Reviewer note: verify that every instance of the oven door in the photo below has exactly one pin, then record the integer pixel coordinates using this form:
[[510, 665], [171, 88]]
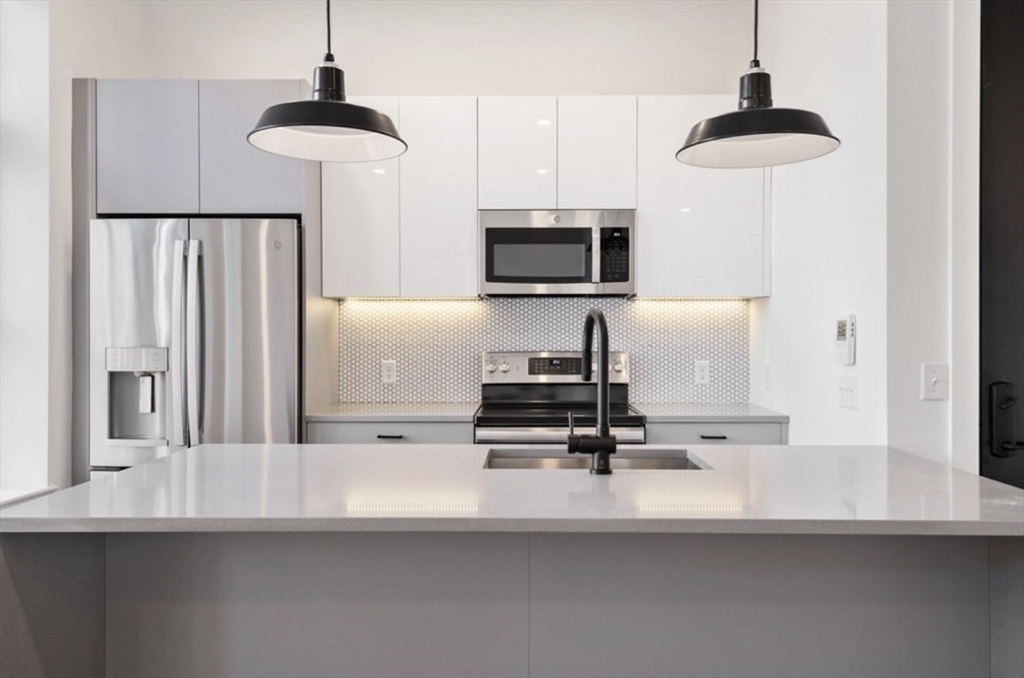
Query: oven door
[[538, 261], [527, 435]]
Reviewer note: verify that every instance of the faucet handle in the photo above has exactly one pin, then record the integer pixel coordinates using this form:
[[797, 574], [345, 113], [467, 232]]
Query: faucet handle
[[572, 439]]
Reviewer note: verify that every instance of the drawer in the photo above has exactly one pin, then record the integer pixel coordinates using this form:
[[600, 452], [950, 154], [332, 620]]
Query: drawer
[[712, 433], [389, 432]]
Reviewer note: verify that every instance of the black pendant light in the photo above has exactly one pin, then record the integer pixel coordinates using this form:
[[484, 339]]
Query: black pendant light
[[327, 128], [757, 135]]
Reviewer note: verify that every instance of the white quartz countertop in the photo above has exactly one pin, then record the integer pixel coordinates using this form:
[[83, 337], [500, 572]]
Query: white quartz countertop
[[752, 490], [463, 412]]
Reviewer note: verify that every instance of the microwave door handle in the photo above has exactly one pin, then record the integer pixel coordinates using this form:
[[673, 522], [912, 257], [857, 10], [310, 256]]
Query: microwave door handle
[[595, 255], [192, 342], [177, 366]]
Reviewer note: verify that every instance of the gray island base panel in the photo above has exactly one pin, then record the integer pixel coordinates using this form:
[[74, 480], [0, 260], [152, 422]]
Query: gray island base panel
[[503, 604], [387, 560]]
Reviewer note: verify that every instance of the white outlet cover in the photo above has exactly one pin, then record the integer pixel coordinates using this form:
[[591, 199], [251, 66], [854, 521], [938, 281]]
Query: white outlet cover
[[701, 372], [848, 398], [388, 371]]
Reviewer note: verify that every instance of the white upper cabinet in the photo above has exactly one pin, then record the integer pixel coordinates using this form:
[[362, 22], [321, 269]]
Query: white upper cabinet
[[701, 232], [147, 146], [518, 154], [236, 177], [360, 202], [438, 197], [597, 152]]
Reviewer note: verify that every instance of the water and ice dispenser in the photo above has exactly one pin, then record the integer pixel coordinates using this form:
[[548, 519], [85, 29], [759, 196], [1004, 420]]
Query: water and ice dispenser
[[135, 396]]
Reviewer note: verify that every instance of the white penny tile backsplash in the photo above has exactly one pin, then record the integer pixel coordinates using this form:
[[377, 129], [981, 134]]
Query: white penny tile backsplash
[[437, 344]]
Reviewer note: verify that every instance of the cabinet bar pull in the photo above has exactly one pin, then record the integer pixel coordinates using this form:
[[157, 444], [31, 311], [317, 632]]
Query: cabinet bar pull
[[384, 436], [704, 437]]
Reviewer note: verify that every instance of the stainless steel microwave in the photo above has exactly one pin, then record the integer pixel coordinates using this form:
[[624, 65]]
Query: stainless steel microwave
[[557, 252]]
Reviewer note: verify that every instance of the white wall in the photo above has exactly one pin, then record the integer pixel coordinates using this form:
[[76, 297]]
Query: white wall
[[919, 123], [934, 120], [30, 425], [828, 222], [965, 174]]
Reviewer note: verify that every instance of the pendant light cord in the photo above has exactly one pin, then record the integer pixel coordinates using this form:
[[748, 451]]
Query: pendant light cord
[[329, 56], [755, 64]]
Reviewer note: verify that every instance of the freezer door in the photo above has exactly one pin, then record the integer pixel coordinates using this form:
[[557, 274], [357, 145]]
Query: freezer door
[[134, 280], [246, 352]]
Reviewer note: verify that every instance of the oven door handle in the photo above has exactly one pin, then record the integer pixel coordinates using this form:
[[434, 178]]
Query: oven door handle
[[553, 434]]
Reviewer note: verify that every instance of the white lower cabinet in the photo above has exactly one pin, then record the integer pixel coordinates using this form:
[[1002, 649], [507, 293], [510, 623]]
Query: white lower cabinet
[[712, 433], [390, 432]]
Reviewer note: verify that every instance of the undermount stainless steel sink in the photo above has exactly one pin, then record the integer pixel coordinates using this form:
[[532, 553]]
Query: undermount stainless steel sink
[[558, 458]]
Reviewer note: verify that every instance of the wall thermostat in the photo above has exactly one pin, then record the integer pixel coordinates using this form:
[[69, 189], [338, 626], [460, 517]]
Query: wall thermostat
[[846, 340]]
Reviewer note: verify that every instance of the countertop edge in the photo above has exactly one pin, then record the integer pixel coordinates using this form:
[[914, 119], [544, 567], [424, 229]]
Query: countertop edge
[[779, 526]]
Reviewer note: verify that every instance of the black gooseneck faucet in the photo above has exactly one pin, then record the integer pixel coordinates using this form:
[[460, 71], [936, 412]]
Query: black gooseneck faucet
[[601, 445]]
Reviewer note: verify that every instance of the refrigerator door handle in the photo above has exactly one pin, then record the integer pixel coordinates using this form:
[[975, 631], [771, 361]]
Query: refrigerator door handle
[[192, 342], [177, 366]]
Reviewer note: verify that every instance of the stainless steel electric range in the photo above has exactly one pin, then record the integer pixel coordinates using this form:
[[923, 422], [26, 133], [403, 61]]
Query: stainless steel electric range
[[531, 397]]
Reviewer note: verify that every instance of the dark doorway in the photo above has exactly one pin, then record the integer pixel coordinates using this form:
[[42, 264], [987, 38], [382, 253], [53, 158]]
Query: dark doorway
[[1002, 241]]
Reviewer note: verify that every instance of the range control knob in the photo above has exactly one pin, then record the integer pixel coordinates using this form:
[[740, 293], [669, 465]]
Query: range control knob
[[618, 367], [503, 367], [492, 368]]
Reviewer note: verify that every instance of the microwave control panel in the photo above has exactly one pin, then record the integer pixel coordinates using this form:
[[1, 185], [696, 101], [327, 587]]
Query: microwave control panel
[[615, 255]]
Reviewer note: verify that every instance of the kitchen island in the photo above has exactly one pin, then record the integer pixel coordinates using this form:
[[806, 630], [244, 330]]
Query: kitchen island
[[329, 560]]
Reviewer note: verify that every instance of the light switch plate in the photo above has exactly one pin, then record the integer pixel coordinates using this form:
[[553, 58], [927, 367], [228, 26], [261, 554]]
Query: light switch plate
[[848, 392], [388, 371], [701, 372], [934, 381]]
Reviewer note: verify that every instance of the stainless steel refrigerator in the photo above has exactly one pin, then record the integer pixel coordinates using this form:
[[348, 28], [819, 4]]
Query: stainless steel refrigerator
[[194, 336]]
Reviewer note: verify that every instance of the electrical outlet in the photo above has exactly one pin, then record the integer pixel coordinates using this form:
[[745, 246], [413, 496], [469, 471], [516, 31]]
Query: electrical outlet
[[934, 381], [848, 392], [388, 371], [701, 372]]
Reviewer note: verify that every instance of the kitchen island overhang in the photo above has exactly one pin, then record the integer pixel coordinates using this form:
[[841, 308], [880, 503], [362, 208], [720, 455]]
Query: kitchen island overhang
[[415, 560]]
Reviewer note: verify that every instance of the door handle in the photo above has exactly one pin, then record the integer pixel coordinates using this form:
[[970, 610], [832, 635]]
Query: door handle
[[177, 366], [192, 342], [996, 406]]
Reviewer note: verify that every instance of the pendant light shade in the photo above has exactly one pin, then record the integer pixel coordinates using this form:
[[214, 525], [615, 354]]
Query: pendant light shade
[[757, 135], [327, 128]]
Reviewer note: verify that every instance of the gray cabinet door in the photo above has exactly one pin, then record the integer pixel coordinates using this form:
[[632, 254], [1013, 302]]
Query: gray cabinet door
[[717, 433], [237, 178], [390, 432], [147, 146]]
